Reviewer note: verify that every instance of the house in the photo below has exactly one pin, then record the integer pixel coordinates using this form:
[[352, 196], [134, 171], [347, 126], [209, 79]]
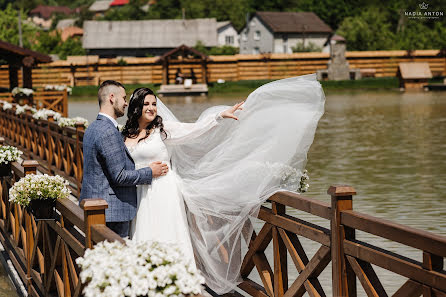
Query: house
[[226, 34], [42, 15], [148, 37], [279, 32], [99, 7]]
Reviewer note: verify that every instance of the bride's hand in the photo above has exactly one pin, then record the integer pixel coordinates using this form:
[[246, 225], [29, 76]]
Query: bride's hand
[[229, 113]]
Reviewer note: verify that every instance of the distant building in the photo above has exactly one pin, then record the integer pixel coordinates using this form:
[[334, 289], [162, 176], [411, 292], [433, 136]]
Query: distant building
[[62, 24], [139, 38], [278, 32], [226, 34], [67, 29], [42, 15], [99, 7]]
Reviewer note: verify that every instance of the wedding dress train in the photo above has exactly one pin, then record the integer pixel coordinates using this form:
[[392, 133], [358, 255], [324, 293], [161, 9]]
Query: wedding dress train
[[223, 170]]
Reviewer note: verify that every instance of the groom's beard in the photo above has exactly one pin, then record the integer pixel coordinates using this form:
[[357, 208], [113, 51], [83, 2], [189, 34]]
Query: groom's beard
[[118, 112]]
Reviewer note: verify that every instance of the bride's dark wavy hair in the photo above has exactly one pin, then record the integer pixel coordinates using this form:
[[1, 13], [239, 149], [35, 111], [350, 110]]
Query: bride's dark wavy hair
[[134, 112]]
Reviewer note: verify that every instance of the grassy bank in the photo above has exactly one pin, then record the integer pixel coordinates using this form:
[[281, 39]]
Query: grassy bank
[[247, 86]]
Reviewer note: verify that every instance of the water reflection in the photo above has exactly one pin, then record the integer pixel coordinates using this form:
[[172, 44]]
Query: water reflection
[[389, 146]]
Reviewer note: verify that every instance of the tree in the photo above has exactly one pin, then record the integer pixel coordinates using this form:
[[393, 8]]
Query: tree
[[367, 31], [10, 28]]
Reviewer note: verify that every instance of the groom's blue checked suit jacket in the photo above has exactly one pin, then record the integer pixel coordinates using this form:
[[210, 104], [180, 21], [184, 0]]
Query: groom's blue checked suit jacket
[[109, 171]]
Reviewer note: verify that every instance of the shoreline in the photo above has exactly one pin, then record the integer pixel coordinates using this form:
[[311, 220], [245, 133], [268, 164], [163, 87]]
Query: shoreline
[[244, 87]]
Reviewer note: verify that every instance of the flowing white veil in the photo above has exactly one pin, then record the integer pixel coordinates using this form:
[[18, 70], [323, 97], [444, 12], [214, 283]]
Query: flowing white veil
[[230, 170]]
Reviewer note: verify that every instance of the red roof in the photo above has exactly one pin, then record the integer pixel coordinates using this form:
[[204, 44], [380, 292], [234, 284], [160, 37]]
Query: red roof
[[119, 2], [46, 12]]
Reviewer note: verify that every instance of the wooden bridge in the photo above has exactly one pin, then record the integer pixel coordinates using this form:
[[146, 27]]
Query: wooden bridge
[[43, 252]]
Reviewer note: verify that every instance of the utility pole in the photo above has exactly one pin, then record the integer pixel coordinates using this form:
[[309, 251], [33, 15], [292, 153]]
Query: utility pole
[[20, 28]]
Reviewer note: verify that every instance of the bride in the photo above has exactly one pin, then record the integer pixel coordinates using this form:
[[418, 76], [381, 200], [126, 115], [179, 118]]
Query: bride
[[221, 171]]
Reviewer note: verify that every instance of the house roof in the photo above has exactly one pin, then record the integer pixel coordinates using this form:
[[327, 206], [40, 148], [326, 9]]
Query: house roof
[[119, 2], [62, 24], [183, 50], [293, 22], [70, 32], [149, 34], [223, 24], [10, 51], [46, 12], [415, 70], [100, 5]]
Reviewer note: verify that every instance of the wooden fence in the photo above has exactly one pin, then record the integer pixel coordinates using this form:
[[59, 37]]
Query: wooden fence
[[83, 71], [351, 259], [58, 150], [54, 100], [44, 252]]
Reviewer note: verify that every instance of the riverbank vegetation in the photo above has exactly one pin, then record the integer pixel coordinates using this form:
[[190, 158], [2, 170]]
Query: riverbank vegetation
[[246, 86]]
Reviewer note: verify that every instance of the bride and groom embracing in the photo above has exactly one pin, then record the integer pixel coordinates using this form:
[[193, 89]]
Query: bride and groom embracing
[[198, 185]]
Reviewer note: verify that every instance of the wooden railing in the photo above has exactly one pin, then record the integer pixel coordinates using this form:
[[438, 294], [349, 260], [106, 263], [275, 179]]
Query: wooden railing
[[351, 259], [58, 150], [44, 252], [54, 100]]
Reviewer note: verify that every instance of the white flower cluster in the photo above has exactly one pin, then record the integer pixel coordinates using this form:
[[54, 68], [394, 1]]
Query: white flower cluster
[[34, 186], [6, 105], [43, 114], [120, 127], [22, 108], [137, 269], [9, 154], [291, 178], [71, 122], [59, 88], [24, 91], [303, 181]]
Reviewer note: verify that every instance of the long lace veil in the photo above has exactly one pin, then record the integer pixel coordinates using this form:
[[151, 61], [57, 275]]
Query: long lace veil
[[229, 171]]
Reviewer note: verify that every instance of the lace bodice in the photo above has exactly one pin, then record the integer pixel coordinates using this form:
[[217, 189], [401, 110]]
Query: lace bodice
[[149, 150], [153, 147]]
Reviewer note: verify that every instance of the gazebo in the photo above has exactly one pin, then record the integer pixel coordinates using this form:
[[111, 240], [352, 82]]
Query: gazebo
[[18, 57], [181, 59]]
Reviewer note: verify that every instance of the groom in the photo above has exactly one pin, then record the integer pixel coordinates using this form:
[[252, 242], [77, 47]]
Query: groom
[[109, 170]]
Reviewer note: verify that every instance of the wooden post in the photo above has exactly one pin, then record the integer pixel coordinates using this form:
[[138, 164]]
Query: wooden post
[[94, 213], [29, 167], [431, 262], [78, 157], [65, 103], [2, 140], [344, 279], [13, 76], [280, 256], [27, 77]]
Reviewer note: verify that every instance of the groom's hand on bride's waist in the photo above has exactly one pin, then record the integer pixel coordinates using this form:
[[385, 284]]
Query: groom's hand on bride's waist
[[158, 168]]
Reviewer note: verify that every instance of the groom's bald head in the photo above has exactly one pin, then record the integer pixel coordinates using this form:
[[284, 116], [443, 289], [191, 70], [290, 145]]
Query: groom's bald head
[[108, 87]]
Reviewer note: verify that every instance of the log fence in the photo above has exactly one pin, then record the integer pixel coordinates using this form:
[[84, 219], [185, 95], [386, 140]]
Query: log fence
[[352, 261], [91, 70]]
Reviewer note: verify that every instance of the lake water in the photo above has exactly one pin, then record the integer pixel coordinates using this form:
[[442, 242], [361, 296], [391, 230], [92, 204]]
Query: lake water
[[389, 145]]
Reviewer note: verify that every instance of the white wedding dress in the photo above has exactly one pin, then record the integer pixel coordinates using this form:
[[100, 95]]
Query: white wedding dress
[[161, 214], [222, 171]]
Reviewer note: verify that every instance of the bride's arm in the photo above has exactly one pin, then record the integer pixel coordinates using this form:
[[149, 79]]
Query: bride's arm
[[179, 132]]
